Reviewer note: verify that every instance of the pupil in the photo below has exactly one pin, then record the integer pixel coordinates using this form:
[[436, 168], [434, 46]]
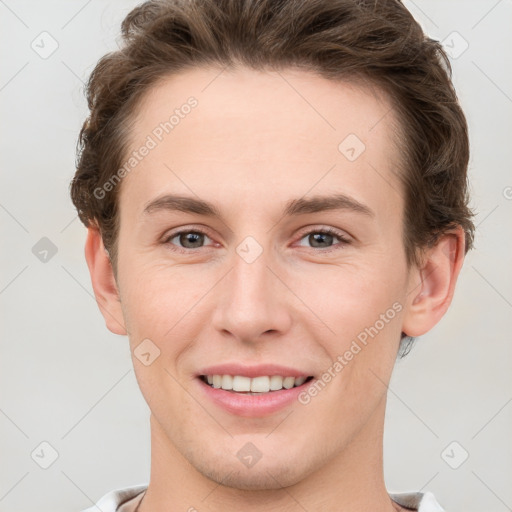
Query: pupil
[[194, 239], [320, 237]]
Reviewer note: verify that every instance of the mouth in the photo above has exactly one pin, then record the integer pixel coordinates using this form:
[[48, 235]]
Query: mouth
[[261, 385], [247, 390]]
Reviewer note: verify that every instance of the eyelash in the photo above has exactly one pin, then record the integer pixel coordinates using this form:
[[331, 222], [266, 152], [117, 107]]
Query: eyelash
[[327, 231]]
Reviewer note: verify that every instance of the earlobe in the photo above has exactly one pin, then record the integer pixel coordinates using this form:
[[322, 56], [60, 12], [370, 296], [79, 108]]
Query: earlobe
[[432, 286], [103, 282]]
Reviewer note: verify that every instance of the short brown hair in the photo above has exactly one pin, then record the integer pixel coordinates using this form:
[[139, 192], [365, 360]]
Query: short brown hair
[[376, 41]]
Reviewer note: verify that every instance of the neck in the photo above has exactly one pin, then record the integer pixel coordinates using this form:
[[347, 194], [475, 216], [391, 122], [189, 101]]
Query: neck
[[351, 480]]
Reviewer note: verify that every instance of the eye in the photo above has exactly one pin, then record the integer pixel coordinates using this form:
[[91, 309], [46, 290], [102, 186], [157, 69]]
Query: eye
[[323, 238], [186, 239]]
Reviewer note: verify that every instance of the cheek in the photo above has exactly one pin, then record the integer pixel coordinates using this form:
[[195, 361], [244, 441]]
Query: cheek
[[360, 308], [349, 296], [164, 303], [159, 307], [152, 293]]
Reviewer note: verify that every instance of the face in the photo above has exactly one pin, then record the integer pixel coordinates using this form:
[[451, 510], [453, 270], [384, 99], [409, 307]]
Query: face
[[295, 267]]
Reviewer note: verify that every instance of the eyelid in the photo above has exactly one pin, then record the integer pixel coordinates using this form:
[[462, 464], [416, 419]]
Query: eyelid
[[185, 229], [319, 228]]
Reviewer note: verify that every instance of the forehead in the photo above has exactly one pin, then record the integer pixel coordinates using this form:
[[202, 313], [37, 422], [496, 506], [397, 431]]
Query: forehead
[[271, 132]]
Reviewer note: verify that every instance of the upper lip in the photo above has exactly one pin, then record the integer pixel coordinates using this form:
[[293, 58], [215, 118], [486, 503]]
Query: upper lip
[[253, 370]]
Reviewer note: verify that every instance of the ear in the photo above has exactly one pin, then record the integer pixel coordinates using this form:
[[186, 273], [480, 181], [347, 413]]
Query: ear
[[103, 282], [431, 286]]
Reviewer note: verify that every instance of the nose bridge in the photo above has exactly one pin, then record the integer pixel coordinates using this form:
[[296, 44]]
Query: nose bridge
[[250, 277], [251, 302]]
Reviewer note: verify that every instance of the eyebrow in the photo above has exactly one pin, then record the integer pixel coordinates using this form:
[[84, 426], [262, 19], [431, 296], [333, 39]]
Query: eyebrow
[[293, 207]]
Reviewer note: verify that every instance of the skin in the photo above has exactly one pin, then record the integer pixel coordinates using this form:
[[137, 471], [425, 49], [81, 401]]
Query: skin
[[251, 145]]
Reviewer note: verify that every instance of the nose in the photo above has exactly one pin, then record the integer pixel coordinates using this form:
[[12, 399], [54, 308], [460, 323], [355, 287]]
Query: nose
[[252, 301]]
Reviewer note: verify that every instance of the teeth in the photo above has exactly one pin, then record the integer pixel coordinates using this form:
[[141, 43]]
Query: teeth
[[300, 380], [288, 382], [241, 383], [276, 383], [262, 384], [227, 382]]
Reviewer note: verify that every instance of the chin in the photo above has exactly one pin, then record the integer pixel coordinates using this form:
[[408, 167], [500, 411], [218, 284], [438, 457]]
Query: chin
[[264, 475], [252, 479]]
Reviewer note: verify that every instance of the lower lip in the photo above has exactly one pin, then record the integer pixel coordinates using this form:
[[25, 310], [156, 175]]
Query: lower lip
[[252, 405]]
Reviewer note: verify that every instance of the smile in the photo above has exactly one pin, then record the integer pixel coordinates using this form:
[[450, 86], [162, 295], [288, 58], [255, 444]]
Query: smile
[[254, 385], [252, 397]]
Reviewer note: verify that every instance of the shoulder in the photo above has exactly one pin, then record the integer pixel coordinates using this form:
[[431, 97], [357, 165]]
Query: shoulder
[[114, 499], [418, 501]]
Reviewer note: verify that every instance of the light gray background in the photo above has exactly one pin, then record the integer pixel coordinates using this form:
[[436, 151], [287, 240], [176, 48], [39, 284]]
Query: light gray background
[[67, 381]]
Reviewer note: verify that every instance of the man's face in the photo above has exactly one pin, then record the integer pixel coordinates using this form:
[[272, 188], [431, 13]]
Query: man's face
[[260, 286]]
